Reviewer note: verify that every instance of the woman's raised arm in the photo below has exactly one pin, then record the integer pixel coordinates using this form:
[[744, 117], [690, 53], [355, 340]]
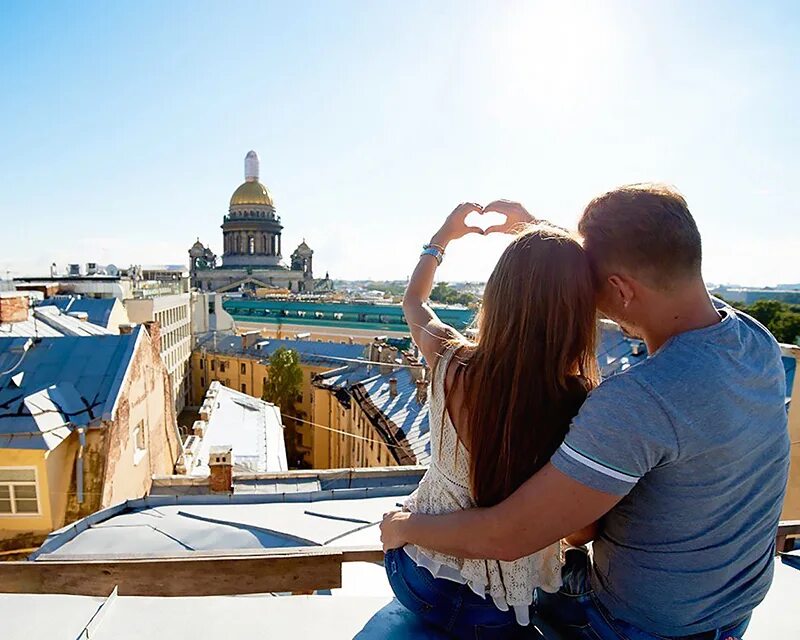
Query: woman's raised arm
[[429, 332]]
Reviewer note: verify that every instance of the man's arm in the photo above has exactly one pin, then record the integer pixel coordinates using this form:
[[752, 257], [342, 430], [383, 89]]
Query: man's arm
[[546, 508]]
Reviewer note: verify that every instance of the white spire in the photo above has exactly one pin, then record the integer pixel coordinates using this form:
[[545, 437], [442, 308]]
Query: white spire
[[251, 166]]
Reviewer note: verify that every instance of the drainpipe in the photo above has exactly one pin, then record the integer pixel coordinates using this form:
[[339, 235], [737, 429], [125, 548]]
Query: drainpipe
[[79, 463]]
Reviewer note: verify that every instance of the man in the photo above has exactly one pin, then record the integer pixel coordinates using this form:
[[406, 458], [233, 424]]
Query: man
[[683, 458]]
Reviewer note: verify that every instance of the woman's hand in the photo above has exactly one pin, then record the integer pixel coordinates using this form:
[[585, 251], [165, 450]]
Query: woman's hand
[[455, 226], [516, 216], [391, 529]]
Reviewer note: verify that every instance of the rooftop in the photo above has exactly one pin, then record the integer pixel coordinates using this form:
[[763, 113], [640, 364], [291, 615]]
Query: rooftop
[[51, 321], [401, 418], [97, 310], [310, 352], [251, 426], [320, 536], [48, 383]]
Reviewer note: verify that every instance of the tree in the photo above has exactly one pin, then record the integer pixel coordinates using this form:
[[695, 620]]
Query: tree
[[447, 294], [782, 319], [284, 384]]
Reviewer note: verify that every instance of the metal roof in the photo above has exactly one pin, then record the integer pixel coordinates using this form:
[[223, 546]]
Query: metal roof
[[331, 509], [311, 352], [251, 426], [98, 309], [77, 377], [50, 321]]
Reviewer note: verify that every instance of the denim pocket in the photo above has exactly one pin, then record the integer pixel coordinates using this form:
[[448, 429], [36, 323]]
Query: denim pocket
[[402, 590]]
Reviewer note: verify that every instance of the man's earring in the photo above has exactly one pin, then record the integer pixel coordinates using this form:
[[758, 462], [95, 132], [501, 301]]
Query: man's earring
[[625, 303]]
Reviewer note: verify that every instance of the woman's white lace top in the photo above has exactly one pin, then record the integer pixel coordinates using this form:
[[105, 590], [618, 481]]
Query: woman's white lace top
[[445, 488]]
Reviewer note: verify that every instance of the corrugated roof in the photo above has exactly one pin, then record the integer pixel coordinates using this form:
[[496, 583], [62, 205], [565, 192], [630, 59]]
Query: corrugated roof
[[81, 376]]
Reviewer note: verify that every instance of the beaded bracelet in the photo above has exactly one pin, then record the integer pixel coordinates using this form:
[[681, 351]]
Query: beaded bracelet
[[432, 250]]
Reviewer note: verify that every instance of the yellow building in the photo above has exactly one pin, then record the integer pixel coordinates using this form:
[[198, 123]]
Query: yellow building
[[377, 411], [241, 362], [85, 423]]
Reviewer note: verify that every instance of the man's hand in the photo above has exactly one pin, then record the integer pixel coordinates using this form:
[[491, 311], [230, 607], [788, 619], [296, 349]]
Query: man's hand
[[516, 216], [391, 529]]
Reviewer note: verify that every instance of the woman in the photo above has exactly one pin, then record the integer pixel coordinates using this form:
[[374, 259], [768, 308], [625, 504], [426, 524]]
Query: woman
[[500, 406]]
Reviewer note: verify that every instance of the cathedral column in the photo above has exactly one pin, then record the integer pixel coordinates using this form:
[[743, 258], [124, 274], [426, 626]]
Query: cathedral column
[[279, 244]]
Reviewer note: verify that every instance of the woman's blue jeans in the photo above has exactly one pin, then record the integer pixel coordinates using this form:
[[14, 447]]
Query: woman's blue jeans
[[445, 604]]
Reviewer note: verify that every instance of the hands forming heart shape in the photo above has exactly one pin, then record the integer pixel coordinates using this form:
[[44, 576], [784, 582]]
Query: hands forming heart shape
[[499, 216]]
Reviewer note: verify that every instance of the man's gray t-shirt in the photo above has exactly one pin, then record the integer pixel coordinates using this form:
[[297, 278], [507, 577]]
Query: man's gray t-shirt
[[695, 438]]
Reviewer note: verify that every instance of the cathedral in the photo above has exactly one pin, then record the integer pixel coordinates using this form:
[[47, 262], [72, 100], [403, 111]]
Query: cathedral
[[251, 240]]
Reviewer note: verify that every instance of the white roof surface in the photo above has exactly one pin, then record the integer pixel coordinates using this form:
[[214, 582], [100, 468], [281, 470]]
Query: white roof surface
[[349, 616], [251, 426]]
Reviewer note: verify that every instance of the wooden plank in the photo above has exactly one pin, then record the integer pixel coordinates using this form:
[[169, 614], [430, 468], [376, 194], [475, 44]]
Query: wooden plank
[[788, 530], [195, 576], [364, 553]]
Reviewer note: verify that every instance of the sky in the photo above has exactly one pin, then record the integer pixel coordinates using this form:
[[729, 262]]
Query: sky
[[123, 126]]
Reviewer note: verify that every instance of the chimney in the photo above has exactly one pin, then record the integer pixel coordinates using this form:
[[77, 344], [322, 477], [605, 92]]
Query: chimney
[[418, 372], [79, 315], [154, 329], [422, 391], [220, 462], [13, 308], [249, 338], [393, 387], [199, 428], [374, 354], [126, 329], [387, 357]]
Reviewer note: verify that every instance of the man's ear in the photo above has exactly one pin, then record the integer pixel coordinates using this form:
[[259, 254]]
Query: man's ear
[[622, 289]]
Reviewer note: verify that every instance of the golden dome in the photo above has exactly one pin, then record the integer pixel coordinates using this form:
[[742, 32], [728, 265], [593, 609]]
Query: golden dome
[[251, 192]]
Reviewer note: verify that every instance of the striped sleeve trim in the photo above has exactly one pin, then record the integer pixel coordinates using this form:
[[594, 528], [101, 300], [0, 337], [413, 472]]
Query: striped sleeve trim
[[597, 466]]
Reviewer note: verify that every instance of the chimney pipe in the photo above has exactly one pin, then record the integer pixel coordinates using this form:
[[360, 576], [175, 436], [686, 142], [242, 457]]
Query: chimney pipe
[[393, 387], [220, 463], [13, 308], [422, 391]]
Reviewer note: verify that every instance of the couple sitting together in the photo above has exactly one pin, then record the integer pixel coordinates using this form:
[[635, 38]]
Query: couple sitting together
[[675, 469]]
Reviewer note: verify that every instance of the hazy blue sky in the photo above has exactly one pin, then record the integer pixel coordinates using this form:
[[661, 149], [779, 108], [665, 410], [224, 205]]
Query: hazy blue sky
[[123, 126]]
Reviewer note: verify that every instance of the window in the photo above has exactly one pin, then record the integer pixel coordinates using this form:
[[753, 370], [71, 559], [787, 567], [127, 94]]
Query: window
[[202, 381], [202, 363], [213, 365], [139, 441], [244, 368], [244, 388], [18, 491]]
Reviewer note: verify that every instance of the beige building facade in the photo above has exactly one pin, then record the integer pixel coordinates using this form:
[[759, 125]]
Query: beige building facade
[[173, 313]]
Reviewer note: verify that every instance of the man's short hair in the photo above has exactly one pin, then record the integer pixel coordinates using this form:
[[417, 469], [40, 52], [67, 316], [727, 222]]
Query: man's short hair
[[645, 230]]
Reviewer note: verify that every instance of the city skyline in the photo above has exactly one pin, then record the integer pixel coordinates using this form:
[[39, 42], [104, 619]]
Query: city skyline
[[125, 126]]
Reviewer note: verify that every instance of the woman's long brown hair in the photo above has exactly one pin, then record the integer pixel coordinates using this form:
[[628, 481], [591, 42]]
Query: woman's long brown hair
[[532, 362]]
